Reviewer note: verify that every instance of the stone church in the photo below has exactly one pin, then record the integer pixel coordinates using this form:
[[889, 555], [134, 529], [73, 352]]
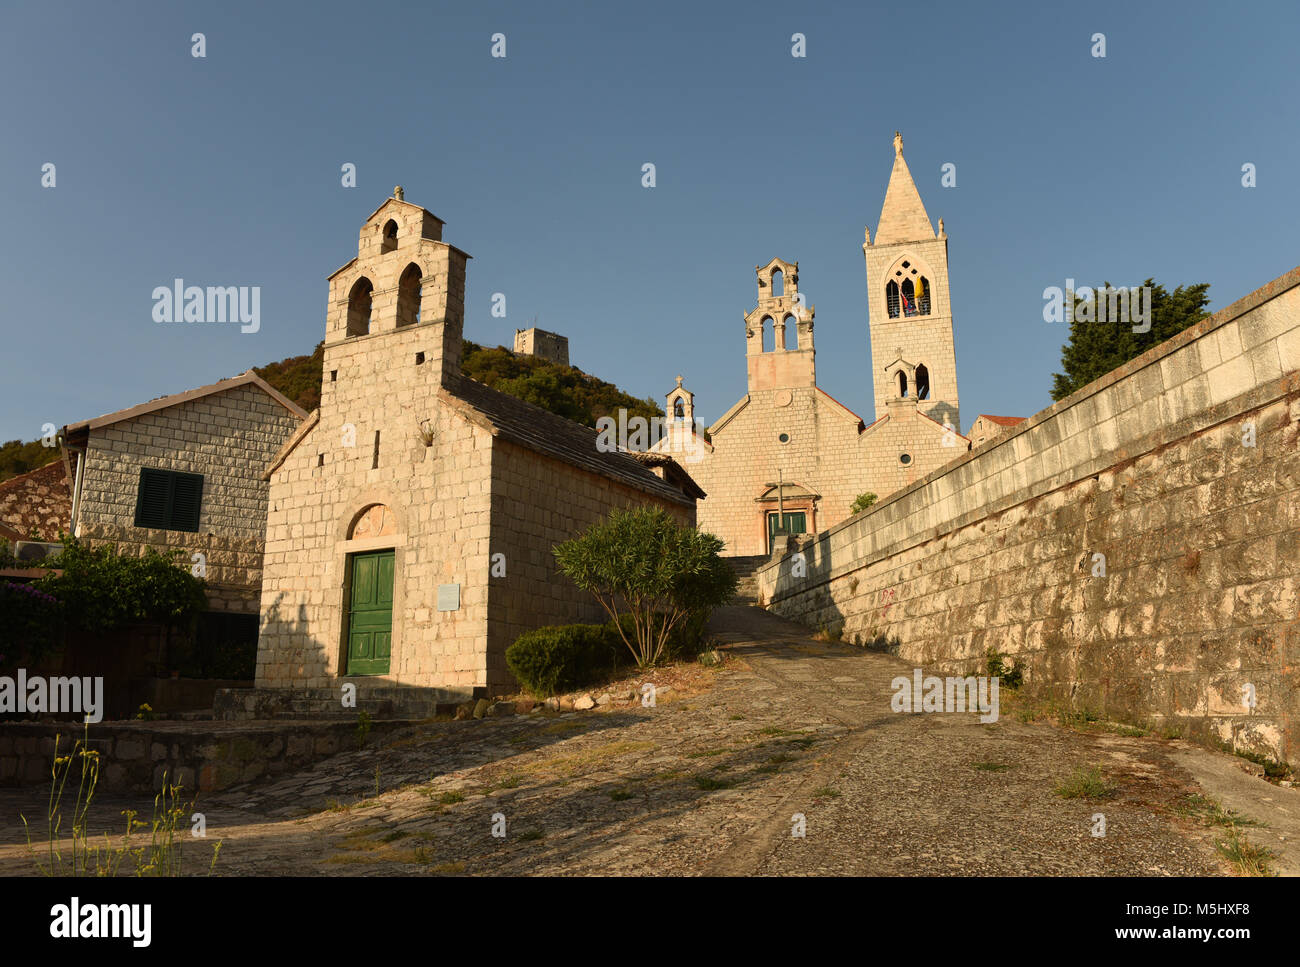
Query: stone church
[[412, 516], [788, 453]]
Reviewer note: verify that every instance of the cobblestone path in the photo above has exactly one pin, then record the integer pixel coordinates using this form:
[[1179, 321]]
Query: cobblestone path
[[708, 782]]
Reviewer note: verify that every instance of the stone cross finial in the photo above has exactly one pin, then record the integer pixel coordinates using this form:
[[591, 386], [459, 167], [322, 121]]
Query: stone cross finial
[[679, 382], [898, 143], [398, 193]]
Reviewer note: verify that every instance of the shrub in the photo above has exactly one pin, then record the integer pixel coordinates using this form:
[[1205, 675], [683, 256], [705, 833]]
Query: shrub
[[1010, 676], [685, 640], [30, 628], [102, 590], [862, 502], [643, 564], [559, 658]]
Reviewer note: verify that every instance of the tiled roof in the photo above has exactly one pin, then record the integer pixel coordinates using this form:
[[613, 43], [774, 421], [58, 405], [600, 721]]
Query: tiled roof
[[36, 505], [544, 432], [1004, 420]]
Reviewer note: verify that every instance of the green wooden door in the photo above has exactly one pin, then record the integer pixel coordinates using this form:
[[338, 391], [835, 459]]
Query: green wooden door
[[370, 614]]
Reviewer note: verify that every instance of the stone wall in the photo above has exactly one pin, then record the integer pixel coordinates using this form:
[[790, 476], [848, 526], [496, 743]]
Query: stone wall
[[439, 501], [204, 758], [1148, 471], [526, 523], [827, 452]]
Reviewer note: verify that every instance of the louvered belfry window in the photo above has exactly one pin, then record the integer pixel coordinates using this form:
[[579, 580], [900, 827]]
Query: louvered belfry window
[[168, 500]]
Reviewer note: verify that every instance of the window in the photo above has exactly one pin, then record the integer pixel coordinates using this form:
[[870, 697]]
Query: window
[[907, 293], [784, 438], [902, 384], [922, 383], [168, 500], [768, 332], [359, 308], [905, 458], [778, 283], [408, 296], [679, 409], [791, 333], [389, 243]]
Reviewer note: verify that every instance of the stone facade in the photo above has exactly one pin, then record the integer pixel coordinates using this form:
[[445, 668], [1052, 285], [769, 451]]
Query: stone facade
[[469, 488], [227, 432], [986, 427], [790, 447], [1133, 547], [546, 345]]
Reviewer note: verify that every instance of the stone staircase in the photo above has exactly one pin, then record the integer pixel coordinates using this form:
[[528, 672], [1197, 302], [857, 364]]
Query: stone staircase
[[747, 590]]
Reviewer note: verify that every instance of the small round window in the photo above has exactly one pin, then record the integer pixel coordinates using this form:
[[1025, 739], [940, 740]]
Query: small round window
[[905, 458], [784, 438]]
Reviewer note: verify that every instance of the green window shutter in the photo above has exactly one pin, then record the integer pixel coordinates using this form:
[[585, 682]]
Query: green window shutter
[[187, 495], [169, 500], [152, 499]]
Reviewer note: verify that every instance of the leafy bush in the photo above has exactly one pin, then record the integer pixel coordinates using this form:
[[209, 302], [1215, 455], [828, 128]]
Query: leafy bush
[[31, 625], [560, 658], [685, 640], [1011, 676], [101, 590], [643, 564], [862, 502]]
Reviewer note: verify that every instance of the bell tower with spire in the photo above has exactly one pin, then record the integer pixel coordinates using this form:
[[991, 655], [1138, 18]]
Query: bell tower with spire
[[913, 359]]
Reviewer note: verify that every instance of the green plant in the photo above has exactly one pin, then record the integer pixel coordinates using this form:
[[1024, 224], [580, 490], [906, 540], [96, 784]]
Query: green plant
[[1012, 676], [145, 712], [560, 658], [102, 590], [862, 502], [31, 627], [1084, 783], [363, 727], [160, 856], [643, 563]]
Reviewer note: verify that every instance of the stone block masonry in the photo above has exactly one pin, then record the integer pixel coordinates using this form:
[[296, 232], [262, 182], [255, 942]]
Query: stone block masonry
[[135, 756], [1135, 547]]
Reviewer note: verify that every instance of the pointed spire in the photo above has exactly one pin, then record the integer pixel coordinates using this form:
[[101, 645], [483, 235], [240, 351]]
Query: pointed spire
[[903, 217]]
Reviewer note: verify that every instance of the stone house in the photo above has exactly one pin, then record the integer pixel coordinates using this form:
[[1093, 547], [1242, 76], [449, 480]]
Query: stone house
[[789, 457], [412, 516], [185, 472], [987, 427]]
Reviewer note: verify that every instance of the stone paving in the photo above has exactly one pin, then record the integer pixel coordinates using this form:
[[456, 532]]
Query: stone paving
[[707, 782]]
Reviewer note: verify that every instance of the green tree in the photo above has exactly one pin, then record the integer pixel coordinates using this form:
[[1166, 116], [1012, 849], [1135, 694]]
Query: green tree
[[642, 563], [17, 457], [1095, 348]]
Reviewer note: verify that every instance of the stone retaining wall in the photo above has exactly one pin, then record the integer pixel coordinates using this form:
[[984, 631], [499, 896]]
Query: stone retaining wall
[[1135, 547], [135, 755]]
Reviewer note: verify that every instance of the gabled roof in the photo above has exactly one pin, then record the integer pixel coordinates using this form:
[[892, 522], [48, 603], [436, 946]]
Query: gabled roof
[[37, 504], [544, 432], [161, 403], [903, 217], [841, 406], [1002, 420]]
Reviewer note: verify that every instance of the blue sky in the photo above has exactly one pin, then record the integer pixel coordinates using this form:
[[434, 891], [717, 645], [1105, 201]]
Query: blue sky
[[225, 170]]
